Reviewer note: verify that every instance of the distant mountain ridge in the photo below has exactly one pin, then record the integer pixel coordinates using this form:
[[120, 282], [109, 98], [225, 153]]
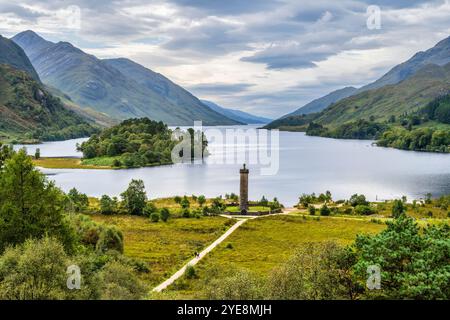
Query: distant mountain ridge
[[318, 105], [117, 87], [438, 55], [13, 55], [406, 97], [237, 115]]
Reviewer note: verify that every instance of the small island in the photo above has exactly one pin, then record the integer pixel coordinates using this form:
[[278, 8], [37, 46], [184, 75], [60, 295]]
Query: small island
[[133, 143]]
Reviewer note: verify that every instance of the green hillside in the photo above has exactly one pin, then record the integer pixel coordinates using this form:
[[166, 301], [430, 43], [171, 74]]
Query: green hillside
[[13, 55], [30, 113], [393, 100]]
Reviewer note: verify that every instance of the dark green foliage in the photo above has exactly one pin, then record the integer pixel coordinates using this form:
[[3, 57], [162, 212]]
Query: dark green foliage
[[264, 202], [420, 139], [149, 209], [312, 210], [108, 205], [439, 109], [364, 210], [360, 129], [184, 203], [201, 200], [358, 199], [165, 214], [30, 112], [324, 210], [30, 206], [414, 264], [135, 143], [154, 216], [316, 129], [135, 198], [186, 213], [398, 208], [190, 272], [37, 270], [78, 201], [110, 239]]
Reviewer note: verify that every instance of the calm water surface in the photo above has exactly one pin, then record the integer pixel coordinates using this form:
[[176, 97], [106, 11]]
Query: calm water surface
[[306, 165]]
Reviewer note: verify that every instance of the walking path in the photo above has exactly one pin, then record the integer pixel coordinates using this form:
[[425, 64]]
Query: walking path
[[241, 220], [194, 261]]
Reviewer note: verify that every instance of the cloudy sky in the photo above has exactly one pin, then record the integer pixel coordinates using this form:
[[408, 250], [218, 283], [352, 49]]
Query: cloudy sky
[[268, 57]]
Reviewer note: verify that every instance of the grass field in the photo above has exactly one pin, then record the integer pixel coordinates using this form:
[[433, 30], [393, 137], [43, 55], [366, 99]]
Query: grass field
[[65, 163], [165, 247], [259, 245], [250, 209]]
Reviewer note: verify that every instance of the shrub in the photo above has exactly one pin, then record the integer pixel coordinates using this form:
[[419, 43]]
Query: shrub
[[190, 272], [312, 210], [154, 217], [358, 199], [110, 239], [185, 203], [149, 209], [108, 205], [398, 207], [165, 214], [324, 211], [186, 213], [117, 282], [363, 210]]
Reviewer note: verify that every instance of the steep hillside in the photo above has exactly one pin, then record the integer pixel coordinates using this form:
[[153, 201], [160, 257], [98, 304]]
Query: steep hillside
[[29, 112], [438, 55], [165, 88], [393, 100], [13, 55], [237, 115], [94, 83]]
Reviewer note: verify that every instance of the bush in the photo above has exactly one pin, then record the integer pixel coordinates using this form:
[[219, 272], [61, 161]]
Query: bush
[[312, 210], [154, 217], [149, 209], [117, 282], [363, 210], [241, 285], [324, 211], [165, 214], [110, 239], [186, 213], [190, 272], [108, 205], [358, 199], [398, 207]]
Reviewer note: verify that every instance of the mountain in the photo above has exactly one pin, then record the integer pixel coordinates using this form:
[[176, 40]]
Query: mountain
[[29, 112], [99, 84], [379, 105], [13, 55], [438, 55], [237, 115], [322, 103], [163, 87], [408, 96]]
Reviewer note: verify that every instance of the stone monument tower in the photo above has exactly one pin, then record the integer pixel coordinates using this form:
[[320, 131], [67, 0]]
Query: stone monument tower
[[243, 195]]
